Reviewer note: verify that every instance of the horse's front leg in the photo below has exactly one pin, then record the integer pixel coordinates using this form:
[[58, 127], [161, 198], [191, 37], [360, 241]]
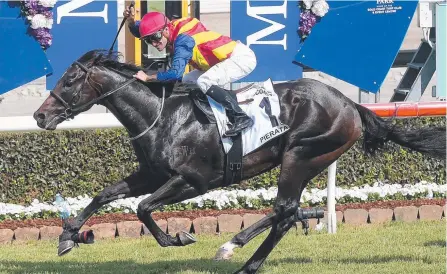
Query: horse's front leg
[[134, 185], [175, 190]]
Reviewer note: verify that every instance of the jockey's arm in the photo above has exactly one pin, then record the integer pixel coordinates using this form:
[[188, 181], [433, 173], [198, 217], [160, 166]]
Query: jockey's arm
[[134, 28], [183, 47]]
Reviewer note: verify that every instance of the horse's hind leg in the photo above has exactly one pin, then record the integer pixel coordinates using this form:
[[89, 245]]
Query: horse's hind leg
[[286, 205], [225, 252], [296, 171]]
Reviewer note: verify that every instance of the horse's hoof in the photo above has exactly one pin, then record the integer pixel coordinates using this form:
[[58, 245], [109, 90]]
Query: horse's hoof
[[65, 247], [185, 238], [223, 254]]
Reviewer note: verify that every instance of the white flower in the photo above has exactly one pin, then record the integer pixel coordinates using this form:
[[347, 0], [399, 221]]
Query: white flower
[[319, 226], [308, 4], [429, 194], [320, 8], [229, 199], [40, 21], [47, 3]]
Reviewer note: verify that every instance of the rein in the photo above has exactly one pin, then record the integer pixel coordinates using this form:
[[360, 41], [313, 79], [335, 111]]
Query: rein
[[70, 108]]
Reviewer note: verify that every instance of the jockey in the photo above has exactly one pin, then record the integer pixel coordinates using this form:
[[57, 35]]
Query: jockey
[[217, 59]]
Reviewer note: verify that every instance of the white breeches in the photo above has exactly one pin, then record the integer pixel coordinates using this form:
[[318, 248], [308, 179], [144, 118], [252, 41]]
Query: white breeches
[[241, 62]]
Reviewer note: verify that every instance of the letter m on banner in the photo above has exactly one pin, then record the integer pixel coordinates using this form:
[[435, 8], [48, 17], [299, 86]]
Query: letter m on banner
[[269, 28]]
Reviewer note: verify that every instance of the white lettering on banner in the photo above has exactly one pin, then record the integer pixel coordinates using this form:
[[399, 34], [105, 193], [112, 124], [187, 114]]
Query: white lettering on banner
[[384, 2], [65, 10], [274, 27], [384, 7]]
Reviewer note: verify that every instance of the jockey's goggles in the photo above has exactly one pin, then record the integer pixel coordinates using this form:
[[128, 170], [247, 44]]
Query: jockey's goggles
[[154, 38]]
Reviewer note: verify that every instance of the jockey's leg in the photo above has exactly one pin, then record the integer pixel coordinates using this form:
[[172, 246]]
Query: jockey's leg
[[241, 63], [192, 76], [241, 120]]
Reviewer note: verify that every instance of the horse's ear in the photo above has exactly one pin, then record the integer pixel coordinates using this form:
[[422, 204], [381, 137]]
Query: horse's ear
[[97, 58]]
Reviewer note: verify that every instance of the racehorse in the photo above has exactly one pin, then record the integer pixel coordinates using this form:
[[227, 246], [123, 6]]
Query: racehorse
[[162, 121]]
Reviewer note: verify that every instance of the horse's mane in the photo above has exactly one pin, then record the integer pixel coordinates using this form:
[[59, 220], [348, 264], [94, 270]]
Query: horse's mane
[[111, 60]]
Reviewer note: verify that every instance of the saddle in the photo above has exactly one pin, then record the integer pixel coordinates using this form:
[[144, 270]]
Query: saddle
[[201, 102], [233, 159]]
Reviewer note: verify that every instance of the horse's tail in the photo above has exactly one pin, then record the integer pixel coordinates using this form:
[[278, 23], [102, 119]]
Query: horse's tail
[[430, 141]]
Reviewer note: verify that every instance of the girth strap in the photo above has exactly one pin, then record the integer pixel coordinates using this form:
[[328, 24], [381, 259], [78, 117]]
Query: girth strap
[[233, 162]]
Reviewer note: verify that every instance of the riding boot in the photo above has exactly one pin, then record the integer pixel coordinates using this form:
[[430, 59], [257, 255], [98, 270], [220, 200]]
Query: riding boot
[[241, 120]]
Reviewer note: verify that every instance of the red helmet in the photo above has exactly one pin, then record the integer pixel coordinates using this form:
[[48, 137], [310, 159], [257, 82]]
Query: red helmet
[[152, 22]]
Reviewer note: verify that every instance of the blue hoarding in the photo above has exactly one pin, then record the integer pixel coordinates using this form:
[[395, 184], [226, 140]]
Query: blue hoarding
[[357, 41], [21, 58], [80, 26], [269, 28]]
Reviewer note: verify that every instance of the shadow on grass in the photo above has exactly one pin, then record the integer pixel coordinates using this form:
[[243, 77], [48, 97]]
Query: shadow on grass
[[174, 266], [365, 260], [378, 260], [70, 267], [297, 260], [436, 243]]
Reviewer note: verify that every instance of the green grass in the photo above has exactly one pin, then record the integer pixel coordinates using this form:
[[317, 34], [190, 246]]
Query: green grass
[[391, 248]]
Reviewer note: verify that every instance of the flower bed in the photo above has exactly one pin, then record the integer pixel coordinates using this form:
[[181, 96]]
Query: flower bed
[[115, 218], [232, 199]]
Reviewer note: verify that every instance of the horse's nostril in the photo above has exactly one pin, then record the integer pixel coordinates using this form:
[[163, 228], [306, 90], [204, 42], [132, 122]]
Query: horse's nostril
[[41, 116]]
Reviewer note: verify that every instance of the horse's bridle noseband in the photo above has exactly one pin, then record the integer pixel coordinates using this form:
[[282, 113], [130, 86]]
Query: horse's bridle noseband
[[70, 109]]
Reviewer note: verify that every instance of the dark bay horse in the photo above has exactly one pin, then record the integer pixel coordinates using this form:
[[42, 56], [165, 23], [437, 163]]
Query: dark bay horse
[[162, 122]]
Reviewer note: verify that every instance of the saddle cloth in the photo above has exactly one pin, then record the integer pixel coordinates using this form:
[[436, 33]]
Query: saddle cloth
[[261, 104]]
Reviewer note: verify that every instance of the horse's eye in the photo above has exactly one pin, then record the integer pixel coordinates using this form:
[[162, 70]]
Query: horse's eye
[[68, 83]]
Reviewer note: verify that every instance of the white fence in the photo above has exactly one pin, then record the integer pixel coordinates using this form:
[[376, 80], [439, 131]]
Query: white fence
[[82, 121]]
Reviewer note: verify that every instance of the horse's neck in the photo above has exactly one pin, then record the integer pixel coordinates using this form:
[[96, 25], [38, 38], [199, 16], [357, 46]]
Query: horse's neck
[[135, 107]]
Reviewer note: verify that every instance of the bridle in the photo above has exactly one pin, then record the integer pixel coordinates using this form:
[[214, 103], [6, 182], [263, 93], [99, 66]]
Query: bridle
[[70, 107]]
